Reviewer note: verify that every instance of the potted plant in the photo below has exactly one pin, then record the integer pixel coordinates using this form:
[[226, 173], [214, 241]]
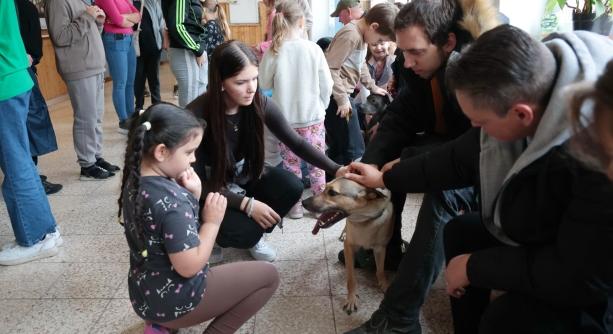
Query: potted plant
[[583, 16]]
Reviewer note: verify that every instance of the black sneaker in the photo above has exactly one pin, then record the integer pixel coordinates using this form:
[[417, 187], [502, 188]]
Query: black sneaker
[[380, 324], [100, 162], [50, 188], [124, 127], [365, 258], [94, 173]]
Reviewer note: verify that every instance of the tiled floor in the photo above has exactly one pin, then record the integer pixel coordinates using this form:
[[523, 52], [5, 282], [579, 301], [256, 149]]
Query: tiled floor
[[83, 289]]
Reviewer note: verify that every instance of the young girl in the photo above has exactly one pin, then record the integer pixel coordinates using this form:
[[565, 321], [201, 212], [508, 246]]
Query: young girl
[[346, 58], [216, 27], [231, 158], [170, 283], [303, 102]]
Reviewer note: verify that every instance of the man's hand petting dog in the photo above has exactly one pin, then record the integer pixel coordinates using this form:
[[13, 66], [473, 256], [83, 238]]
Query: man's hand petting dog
[[378, 90], [366, 175], [264, 215]]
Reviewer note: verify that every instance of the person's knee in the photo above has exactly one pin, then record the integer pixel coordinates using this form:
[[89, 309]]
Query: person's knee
[[271, 274]]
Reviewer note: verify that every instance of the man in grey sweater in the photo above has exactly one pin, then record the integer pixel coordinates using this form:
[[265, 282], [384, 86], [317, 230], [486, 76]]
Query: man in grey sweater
[[74, 28]]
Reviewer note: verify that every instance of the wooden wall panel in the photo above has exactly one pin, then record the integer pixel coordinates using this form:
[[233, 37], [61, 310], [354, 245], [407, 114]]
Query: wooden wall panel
[[51, 84], [249, 34]]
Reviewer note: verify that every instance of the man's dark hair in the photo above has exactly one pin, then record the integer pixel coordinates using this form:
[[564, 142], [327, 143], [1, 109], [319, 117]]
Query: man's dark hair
[[502, 67], [437, 17]]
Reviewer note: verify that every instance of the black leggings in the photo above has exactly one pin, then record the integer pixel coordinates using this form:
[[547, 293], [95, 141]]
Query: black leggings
[[279, 189], [512, 312]]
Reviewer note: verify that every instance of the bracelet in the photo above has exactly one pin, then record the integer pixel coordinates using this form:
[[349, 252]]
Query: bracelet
[[250, 206]]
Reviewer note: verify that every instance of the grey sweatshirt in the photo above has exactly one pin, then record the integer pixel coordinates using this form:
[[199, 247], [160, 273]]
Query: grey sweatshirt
[[76, 38], [579, 56]]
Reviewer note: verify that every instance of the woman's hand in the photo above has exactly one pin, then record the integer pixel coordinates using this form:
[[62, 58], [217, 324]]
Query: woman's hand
[[367, 175], [378, 90], [190, 181], [456, 276], [214, 209], [264, 215]]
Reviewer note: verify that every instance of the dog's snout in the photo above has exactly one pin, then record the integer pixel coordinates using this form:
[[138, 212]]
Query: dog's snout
[[308, 203]]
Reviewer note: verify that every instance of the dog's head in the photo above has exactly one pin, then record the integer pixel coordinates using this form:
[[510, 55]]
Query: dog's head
[[345, 198], [375, 103]]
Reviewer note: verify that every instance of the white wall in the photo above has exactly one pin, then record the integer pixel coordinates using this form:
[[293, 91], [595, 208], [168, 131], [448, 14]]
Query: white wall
[[525, 14], [323, 24]]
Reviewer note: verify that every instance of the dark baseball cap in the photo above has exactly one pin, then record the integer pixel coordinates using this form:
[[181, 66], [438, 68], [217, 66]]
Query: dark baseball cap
[[344, 4]]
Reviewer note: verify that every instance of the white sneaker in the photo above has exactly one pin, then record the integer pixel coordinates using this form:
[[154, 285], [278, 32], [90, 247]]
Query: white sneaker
[[55, 237], [296, 212], [19, 254], [263, 252], [216, 255]]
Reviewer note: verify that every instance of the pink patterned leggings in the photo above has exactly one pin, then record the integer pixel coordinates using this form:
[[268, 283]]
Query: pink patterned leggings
[[316, 136]]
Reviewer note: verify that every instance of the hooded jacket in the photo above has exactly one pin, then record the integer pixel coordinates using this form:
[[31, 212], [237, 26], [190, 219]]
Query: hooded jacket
[[553, 214], [412, 111], [183, 19]]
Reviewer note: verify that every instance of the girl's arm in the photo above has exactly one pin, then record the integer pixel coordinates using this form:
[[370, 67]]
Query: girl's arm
[[113, 15], [325, 80], [189, 262]]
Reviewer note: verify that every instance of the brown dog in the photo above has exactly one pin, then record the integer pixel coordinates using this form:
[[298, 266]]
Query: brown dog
[[369, 225]]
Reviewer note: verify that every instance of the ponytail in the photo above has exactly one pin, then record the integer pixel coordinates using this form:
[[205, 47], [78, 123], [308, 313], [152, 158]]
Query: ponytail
[[288, 14]]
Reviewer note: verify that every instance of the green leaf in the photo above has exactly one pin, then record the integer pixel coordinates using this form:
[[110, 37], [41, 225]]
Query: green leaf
[[600, 8]]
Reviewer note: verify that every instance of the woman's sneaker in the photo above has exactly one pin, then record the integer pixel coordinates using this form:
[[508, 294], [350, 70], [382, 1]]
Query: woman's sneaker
[[296, 212], [16, 254], [94, 173], [263, 252]]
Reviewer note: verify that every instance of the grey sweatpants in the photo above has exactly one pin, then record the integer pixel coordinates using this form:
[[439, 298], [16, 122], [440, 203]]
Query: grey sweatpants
[[87, 99], [191, 78]]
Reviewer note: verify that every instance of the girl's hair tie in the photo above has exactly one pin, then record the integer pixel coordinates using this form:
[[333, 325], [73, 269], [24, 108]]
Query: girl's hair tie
[[147, 125]]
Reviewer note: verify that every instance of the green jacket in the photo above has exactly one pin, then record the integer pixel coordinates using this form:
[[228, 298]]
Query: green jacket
[[14, 77]]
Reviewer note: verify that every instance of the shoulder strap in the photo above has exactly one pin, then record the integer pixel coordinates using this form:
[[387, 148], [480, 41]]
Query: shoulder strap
[[142, 6]]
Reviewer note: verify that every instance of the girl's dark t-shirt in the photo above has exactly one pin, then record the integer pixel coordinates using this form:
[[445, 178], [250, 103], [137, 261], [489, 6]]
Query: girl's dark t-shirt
[[170, 224]]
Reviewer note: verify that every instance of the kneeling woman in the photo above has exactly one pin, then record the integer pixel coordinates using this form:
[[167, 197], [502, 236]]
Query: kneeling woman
[[231, 158]]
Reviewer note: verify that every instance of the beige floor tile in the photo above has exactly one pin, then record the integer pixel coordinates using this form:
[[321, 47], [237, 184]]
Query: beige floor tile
[[247, 328], [367, 304], [118, 317], [12, 312], [303, 278], [366, 280], [297, 246], [110, 248], [30, 280], [284, 315], [89, 280], [61, 316], [436, 313]]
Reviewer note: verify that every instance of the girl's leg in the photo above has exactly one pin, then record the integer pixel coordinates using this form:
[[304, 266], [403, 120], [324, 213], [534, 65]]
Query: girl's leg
[[231, 296], [316, 136]]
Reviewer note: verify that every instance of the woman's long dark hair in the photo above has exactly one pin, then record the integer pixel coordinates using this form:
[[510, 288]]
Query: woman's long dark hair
[[227, 61], [169, 125]]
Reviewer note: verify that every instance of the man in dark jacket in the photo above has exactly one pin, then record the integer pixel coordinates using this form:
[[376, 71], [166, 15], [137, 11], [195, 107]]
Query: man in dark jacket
[[40, 130], [544, 236], [424, 115]]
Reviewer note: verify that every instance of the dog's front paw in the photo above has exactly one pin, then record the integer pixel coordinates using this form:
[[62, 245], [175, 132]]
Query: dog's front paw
[[351, 305]]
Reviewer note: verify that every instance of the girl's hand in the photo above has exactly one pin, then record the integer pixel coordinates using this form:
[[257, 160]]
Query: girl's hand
[[264, 215], [190, 181], [456, 276], [214, 209]]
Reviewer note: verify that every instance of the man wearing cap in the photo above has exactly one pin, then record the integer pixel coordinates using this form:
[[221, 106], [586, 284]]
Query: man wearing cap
[[348, 10]]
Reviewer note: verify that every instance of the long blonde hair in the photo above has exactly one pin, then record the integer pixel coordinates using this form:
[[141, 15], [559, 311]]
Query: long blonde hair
[[221, 18], [288, 15]]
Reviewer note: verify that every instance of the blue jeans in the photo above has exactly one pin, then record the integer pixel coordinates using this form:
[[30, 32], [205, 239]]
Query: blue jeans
[[122, 64], [23, 192], [40, 130], [424, 258]]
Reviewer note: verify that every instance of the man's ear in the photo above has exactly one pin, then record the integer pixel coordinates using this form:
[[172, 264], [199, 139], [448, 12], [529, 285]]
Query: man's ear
[[523, 112], [160, 152], [451, 43]]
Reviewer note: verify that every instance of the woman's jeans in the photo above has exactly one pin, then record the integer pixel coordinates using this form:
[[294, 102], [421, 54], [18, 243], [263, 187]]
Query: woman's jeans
[[23, 193], [121, 59]]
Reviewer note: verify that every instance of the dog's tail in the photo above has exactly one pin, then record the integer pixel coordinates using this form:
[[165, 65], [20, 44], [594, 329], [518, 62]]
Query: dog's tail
[[478, 16]]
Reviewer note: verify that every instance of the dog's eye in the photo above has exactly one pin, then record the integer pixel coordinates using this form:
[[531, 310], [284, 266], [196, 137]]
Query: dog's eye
[[331, 192]]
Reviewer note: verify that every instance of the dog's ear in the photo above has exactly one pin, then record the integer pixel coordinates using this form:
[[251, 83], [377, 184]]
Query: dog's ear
[[374, 194]]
